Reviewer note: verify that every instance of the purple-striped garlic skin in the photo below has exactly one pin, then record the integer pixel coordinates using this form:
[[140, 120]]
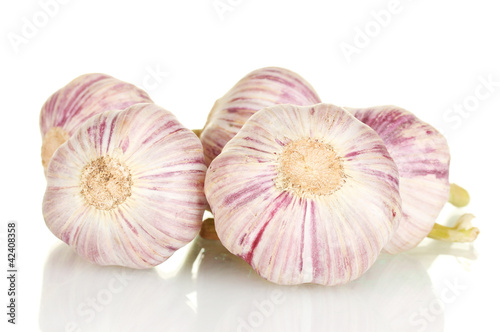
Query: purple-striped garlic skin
[[87, 95], [127, 188], [261, 88], [423, 158], [305, 194]]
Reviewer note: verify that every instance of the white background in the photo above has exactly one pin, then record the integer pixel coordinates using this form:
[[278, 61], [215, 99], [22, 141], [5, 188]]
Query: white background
[[428, 57]]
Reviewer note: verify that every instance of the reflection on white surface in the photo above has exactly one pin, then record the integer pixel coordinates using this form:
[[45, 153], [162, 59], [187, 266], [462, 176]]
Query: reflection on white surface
[[216, 291], [232, 297], [80, 296]]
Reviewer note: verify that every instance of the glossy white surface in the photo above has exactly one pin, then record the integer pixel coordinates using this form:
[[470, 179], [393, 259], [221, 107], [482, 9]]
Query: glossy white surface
[[212, 290], [433, 58]]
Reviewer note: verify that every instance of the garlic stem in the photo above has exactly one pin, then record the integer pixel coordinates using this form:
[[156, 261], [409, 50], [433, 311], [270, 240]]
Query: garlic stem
[[197, 132], [208, 230], [462, 232], [458, 196]]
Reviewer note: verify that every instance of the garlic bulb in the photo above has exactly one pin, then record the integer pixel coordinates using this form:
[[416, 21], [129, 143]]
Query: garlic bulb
[[305, 194], [127, 188], [261, 88], [422, 156], [75, 103]]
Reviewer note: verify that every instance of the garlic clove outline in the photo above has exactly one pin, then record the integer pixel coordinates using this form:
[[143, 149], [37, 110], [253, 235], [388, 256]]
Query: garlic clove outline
[[261, 88], [127, 187], [305, 194], [423, 158], [85, 96]]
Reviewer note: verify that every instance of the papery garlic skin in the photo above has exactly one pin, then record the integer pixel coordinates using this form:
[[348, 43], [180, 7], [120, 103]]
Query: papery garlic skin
[[261, 88], [85, 96], [326, 226], [423, 158], [127, 188]]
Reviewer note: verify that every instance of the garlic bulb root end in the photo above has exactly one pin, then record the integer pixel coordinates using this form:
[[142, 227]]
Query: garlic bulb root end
[[462, 232], [54, 138], [458, 196], [309, 168], [106, 182]]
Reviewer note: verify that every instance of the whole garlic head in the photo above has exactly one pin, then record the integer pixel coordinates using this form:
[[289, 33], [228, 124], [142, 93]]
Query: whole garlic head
[[87, 95], [261, 88], [422, 156], [127, 188], [305, 194]]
